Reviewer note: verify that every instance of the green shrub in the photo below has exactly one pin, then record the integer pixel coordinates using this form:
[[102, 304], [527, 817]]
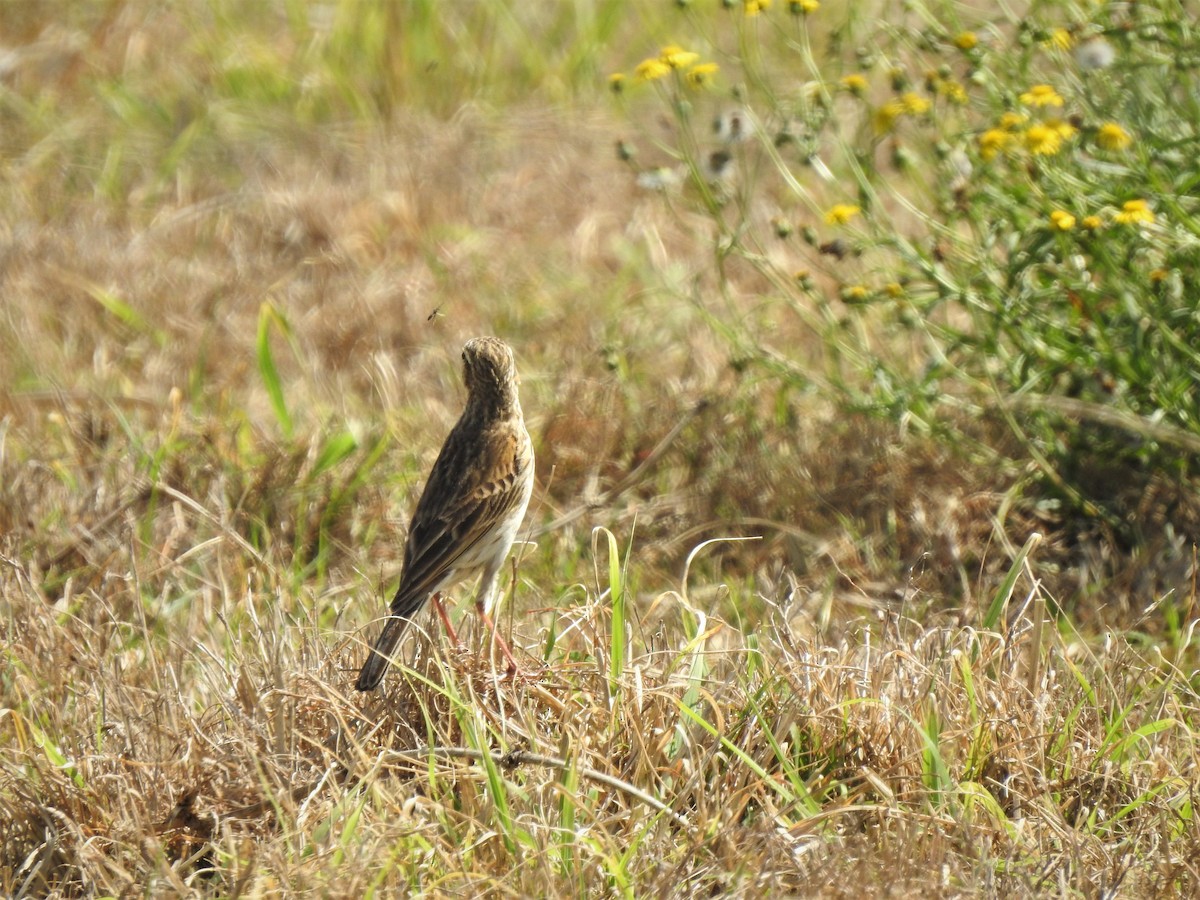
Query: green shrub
[[1005, 201]]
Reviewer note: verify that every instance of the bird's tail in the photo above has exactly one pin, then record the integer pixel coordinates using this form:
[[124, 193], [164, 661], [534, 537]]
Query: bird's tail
[[377, 663]]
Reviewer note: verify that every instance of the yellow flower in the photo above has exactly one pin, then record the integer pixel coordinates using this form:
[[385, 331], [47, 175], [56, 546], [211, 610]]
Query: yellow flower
[[1092, 223], [754, 7], [886, 116], [914, 103], [1134, 211], [894, 289], [968, 40], [855, 293], [1065, 130], [1043, 140], [855, 84], [992, 142], [952, 91], [651, 70], [616, 82], [1158, 276], [677, 57], [1062, 220], [1041, 95], [1060, 39], [803, 7], [702, 75], [1011, 121], [841, 213], [1111, 136]]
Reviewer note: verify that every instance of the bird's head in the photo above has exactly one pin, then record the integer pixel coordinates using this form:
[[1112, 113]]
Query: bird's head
[[489, 369]]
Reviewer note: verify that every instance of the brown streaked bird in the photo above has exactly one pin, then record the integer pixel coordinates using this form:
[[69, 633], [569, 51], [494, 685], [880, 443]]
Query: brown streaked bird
[[472, 505]]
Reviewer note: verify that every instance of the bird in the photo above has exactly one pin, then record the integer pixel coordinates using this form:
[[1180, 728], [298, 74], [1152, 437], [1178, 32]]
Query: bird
[[471, 507]]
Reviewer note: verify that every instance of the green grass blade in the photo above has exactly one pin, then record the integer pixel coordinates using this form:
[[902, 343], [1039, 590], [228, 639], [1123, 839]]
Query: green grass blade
[[267, 316], [773, 784], [616, 591], [335, 449], [1004, 592]]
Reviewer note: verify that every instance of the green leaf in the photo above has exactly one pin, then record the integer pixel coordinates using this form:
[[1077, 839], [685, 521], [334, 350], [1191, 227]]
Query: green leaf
[[53, 753]]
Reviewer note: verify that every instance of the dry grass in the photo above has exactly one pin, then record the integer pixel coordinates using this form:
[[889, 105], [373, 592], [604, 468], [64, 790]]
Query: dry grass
[[186, 585], [215, 743]]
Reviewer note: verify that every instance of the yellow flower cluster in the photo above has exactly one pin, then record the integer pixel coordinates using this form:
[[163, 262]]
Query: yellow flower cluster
[[1041, 138], [701, 75], [993, 142], [940, 83], [1042, 95], [1043, 141], [951, 90], [676, 57], [907, 104], [754, 7], [1111, 136], [1046, 138], [1134, 212], [1001, 138], [1062, 220], [651, 70], [914, 104], [1059, 39], [856, 84], [670, 59]]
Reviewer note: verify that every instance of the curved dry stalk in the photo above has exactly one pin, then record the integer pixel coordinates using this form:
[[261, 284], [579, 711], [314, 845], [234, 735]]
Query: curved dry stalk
[[515, 758]]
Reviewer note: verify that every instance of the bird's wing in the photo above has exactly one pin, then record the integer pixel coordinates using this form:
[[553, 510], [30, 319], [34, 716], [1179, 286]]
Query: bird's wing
[[471, 487]]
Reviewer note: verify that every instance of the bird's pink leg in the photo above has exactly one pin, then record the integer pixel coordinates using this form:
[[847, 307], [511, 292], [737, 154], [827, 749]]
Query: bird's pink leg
[[513, 668], [441, 611]]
